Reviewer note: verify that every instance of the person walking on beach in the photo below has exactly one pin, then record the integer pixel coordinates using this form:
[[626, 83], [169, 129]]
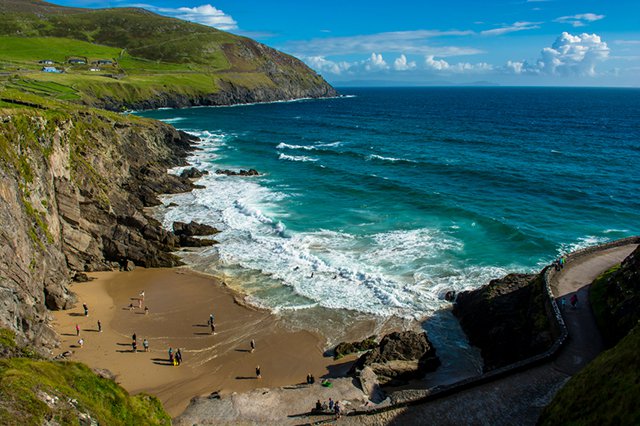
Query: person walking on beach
[[81, 342], [145, 345], [171, 355], [134, 346], [142, 295], [211, 319], [134, 337], [86, 309], [253, 345], [213, 328], [99, 327], [258, 373], [178, 357], [77, 330]]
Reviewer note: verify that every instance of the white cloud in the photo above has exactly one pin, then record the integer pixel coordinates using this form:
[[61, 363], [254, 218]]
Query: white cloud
[[516, 26], [579, 20], [401, 64], [440, 65], [204, 14], [375, 62], [322, 64], [405, 42], [570, 55]]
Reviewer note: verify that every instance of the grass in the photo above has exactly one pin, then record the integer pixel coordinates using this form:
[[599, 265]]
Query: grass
[[606, 392], [24, 382]]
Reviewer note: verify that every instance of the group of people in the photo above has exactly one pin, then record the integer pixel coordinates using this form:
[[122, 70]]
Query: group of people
[[559, 263], [310, 379], [175, 358], [331, 407]]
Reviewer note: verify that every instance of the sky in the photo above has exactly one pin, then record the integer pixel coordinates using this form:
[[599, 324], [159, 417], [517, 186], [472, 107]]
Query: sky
[[503, 42]]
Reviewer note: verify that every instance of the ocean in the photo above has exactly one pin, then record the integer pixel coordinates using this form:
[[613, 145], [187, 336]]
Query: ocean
[[382, 200]]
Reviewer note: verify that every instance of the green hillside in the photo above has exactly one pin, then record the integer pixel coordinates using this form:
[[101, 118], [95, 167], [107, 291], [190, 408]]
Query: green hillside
[[35, 392], [153, 60]]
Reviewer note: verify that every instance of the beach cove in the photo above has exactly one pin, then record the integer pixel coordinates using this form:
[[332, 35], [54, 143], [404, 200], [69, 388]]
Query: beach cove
[[180, 302]]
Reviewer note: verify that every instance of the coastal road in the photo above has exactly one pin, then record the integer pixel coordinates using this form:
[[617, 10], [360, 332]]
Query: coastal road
[[518, 399]]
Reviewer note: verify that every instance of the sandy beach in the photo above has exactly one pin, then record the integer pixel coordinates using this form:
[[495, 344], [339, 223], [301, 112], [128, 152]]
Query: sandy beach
[[180, 302]]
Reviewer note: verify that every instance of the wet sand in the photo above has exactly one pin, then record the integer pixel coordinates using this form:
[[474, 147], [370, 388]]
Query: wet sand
[[180, 302]]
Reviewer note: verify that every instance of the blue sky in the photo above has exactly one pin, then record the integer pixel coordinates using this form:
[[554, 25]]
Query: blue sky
[[508, 42]]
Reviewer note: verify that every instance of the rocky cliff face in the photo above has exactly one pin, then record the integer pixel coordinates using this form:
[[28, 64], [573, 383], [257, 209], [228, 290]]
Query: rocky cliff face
[[507, 319], [73, 185], [615, 298]]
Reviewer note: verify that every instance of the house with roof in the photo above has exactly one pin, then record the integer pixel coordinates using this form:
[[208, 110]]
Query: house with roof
[[104, 62], [46, 62], [51, 70], [77, 61]]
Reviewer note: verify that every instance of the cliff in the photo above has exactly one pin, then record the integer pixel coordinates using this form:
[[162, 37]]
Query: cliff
[[507, 319], [74, 184], [615, 299]]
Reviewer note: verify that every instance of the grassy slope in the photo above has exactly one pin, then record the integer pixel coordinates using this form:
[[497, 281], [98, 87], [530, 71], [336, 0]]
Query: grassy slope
[[606, 392], [25, 381], [153, 55]]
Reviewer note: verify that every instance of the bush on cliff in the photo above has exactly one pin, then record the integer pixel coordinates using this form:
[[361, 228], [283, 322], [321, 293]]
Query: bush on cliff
[[606, 392], [36, 392]]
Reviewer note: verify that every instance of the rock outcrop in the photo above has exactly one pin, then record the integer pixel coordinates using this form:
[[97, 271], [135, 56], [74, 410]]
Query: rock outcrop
[[193, 173], [615, 298], [192, 229], [400, 356], [74, 185], [508, 319], [250, 172]]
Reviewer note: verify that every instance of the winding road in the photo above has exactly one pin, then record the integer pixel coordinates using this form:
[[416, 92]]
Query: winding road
[[518, 399]]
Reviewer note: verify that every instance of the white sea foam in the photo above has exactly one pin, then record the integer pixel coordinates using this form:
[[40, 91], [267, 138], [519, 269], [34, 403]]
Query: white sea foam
[[317, 147], [582, 242], [390, 159], [400, 272], [302, 158], [172, 120]]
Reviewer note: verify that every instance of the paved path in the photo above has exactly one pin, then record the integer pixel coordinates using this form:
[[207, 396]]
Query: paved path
[[518, 399]]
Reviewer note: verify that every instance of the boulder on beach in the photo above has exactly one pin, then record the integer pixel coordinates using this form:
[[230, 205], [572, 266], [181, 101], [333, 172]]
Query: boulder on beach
[[400, 356]]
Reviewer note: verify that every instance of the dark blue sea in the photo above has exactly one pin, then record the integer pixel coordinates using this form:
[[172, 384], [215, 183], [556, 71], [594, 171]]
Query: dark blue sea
[[384, 199]]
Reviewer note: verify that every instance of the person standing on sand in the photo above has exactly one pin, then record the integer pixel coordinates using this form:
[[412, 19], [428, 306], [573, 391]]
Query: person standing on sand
[[258, 373], [179, 357], [134, 346], [77, 330], [145, 345], [142, 295], [211, 319], [146, 310], [134, 337], [253, 345], [86, 309], [213, 328], [99, 327], [171, 355], [81, 342]]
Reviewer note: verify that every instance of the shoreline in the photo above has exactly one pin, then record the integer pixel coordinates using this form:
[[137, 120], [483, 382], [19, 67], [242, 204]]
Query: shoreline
[[212, 363]]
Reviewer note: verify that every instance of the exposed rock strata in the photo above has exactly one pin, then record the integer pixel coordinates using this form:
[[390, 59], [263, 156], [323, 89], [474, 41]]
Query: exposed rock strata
[[507, 319], [74, 184], [400, 356]]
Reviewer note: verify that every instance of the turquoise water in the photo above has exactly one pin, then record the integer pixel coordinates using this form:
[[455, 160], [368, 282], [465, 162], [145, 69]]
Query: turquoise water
[[381, 201]]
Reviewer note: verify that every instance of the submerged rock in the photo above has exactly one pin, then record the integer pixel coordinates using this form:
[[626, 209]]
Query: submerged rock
[[250, 172], [400, 356]]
